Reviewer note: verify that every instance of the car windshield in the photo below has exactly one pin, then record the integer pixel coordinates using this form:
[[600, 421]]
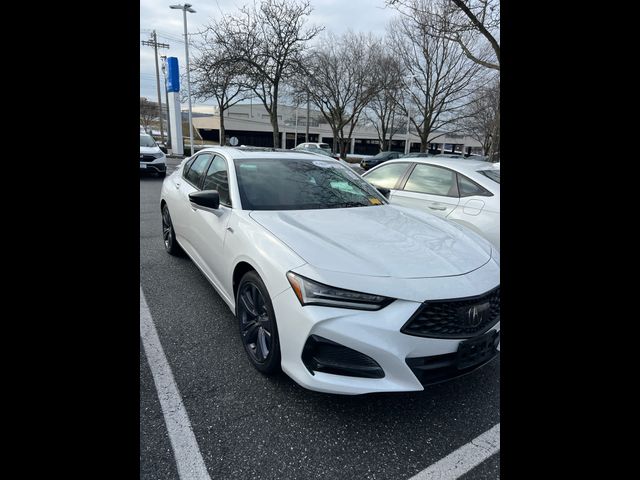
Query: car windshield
[[295, 184], [147, 141], [492, 174]]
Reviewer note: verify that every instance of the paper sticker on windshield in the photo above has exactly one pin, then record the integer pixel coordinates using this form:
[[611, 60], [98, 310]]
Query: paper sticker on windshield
[[374, 201]]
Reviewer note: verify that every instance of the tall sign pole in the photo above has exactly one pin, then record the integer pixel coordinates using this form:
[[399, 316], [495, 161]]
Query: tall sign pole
[[175, 113]]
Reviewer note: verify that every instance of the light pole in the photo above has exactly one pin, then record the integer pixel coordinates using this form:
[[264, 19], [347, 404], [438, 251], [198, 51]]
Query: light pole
[[187, 8]]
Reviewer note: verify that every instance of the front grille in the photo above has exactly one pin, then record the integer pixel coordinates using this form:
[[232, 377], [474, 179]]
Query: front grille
[[147, 158], [458, 318]]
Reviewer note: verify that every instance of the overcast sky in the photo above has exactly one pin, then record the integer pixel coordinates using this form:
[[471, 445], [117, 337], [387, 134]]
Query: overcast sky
[[335, 15]]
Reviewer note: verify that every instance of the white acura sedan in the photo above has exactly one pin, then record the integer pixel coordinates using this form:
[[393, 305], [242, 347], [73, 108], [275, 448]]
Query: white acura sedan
[[464, 191], [343, 291]]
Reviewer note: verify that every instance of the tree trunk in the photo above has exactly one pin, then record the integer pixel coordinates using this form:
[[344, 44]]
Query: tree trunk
[[343, 147], [423, 144], [276, 130], [335, 147], [221, 139], [494, 150], [486, 145]]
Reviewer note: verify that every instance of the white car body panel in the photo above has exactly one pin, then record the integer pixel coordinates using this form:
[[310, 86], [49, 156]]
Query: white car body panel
[[438, 205], [385, 250], [312, 233]]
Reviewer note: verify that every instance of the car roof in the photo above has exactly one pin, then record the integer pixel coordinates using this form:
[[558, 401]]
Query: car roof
[[454, 163], [261, 152]]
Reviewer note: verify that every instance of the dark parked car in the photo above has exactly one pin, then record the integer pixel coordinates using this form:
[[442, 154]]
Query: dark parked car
[[368, 163]]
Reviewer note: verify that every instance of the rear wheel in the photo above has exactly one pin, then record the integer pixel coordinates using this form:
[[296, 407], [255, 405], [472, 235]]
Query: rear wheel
[[257, 322]]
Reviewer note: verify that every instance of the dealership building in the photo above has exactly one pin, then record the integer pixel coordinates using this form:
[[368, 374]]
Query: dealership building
[[250, 124]]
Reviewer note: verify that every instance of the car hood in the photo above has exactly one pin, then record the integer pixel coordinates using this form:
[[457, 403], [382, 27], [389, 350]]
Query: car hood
[[381, 241], [150, 150]]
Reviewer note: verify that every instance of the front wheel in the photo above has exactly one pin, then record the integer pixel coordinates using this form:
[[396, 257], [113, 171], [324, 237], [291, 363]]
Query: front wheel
[[169, 234], [257, 322]]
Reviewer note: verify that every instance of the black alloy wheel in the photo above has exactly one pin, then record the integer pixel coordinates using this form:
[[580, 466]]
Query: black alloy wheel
[[168, 233], [257, 323]]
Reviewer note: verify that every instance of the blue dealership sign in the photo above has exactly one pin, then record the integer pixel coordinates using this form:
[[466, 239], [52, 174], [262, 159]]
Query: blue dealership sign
[[173, 78]]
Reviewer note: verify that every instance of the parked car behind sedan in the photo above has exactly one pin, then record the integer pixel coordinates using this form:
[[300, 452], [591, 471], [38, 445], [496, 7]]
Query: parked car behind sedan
[[315, 146], [152, 158], [343, 291], [367, 163], [463, 191], [316, 150]]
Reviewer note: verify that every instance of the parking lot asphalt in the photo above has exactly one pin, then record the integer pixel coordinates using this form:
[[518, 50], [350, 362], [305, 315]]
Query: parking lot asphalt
[[251, 426]]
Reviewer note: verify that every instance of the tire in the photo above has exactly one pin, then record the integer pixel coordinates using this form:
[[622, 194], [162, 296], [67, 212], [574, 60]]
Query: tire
[[257, 324], [169, 235]]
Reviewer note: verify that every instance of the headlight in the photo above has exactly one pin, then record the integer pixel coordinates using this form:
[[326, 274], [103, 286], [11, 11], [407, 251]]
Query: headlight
[[310, 292], [158, 155]]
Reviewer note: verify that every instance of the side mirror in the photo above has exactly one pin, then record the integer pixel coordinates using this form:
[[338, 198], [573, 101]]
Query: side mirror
[[205, 200], [384, 191]]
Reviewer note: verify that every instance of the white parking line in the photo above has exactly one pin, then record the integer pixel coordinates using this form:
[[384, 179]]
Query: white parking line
[[185, 447], [462, 460]]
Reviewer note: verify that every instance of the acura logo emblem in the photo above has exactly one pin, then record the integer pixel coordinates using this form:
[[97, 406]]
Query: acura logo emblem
[[475, 315]]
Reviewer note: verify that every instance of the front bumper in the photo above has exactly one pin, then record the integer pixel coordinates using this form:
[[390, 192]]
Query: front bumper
[[152, 167], [373, 334]]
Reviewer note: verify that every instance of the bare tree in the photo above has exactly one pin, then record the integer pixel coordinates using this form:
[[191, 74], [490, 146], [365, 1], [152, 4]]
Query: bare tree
[[483, 120], [213, 78], [439, 78], [267, 41], [148, 113], [383, 111], [473, 24], [342, 81]]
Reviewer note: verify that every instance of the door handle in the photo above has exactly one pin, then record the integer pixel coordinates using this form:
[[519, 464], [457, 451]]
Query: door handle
[[437, 208]]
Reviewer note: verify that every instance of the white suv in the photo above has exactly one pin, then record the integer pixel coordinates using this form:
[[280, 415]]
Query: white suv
[[323, 146], [152, 159]]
